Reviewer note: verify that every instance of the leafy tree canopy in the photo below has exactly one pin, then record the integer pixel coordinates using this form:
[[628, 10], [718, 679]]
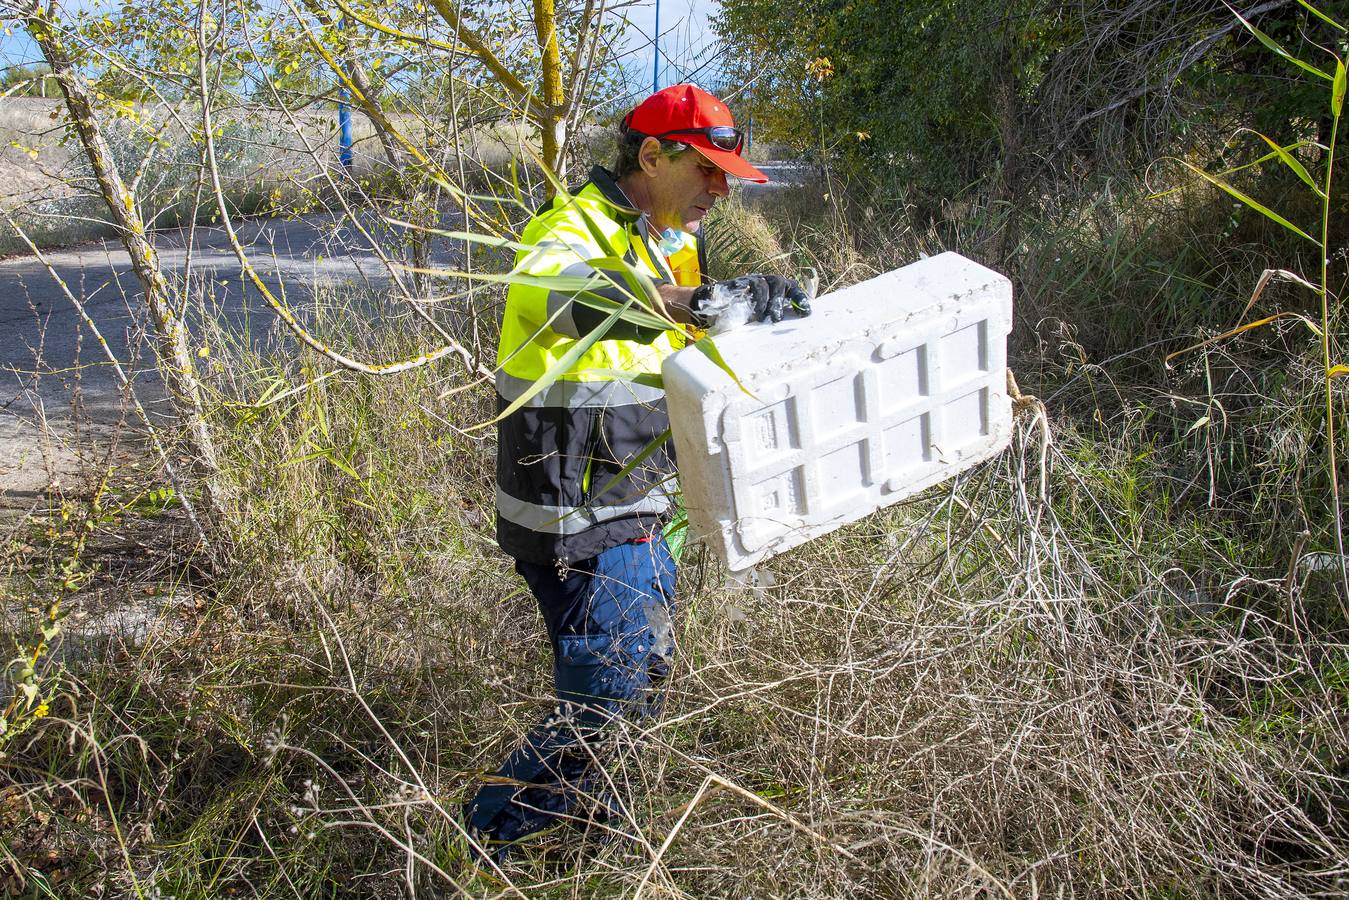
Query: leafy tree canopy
[[944, 95]]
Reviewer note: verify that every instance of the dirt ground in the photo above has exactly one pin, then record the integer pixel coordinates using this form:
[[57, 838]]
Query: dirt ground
[[33, 169]]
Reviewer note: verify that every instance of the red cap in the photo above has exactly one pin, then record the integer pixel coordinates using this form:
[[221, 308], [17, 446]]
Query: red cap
[[682, 106]]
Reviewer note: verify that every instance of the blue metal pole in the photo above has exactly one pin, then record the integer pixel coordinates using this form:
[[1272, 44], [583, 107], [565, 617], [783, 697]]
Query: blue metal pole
[[343, 120], [749, 133], [344, 138], [655, 62]]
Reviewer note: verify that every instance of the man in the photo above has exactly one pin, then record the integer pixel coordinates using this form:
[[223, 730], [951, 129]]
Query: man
[[582, 520]]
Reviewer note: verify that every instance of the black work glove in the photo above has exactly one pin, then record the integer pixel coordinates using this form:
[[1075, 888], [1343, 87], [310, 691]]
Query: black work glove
[[725, 305]]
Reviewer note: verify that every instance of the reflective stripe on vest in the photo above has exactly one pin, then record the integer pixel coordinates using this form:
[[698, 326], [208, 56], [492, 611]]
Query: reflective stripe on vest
[[575, 519], [560, 453], [573, 394]]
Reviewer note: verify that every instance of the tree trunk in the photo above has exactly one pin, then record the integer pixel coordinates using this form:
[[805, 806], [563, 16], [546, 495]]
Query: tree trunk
[[553, 124], [170, 337]]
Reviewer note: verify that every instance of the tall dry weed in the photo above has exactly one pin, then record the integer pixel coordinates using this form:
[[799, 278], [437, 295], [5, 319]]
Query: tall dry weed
[[1105, 686]]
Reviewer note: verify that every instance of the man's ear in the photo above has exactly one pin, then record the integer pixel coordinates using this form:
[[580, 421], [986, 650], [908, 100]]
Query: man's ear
[[648, 155]]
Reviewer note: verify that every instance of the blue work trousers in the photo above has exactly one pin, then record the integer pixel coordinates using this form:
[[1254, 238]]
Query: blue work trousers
[[610, 623]]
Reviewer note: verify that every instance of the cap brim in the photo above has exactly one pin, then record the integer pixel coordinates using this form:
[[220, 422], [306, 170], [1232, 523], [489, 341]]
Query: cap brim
[[731, 163]]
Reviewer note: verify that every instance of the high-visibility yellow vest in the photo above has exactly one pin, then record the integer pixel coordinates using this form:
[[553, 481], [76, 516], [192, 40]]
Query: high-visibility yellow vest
[[559, 455]]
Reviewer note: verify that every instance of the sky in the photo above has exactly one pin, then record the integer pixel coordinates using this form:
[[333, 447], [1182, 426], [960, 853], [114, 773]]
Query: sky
[[686, 40], [16, 49]]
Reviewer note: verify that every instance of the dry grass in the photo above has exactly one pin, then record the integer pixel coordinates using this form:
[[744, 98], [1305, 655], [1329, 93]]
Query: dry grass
[[266, 166], [981, 692], [1131, 684]]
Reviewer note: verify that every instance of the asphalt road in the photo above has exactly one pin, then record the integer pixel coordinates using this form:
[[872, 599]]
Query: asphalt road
[[47, 358]]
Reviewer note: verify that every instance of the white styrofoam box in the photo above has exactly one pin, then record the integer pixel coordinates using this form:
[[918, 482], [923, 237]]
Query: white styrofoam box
[[891, 386]]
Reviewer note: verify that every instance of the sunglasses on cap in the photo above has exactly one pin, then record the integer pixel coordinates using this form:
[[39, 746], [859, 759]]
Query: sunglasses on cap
[[723, 137]]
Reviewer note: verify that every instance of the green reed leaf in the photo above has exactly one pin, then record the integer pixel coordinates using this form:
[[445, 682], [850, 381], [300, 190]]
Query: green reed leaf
[[1322, 16], [1337, 92], [642, 456], [708, 348], [1277, 49], [1292, 162], [1250, 201], [561, 367]]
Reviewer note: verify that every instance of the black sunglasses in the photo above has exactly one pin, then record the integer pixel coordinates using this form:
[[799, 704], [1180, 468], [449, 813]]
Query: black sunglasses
[[723, 137]]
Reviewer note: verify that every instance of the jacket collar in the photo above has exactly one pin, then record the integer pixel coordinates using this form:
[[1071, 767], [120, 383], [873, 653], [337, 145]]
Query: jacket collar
[[604, 182]]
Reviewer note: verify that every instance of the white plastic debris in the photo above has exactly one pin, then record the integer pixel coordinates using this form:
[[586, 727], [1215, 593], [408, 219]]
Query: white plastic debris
[[892, 386]]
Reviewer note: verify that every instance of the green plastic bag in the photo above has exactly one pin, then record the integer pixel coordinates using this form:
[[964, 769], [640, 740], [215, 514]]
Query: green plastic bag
[[677, 531]]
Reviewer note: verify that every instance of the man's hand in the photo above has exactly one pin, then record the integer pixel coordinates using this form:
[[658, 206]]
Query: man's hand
[[725, 305]]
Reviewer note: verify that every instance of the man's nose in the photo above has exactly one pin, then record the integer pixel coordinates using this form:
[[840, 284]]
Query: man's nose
[[719, 187]]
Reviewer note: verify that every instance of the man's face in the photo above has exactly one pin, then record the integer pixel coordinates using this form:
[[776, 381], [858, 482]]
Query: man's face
[[683, 189]]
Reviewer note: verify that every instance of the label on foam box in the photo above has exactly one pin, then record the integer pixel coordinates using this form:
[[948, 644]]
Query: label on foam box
[[891, 386]]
